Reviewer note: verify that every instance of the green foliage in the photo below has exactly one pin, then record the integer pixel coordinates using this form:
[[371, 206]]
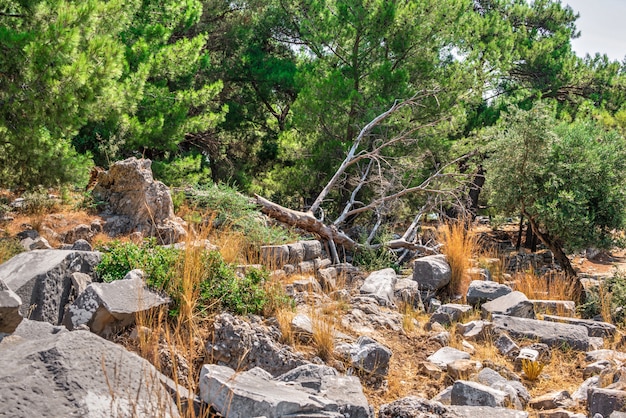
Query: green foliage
[[234, 211], [156, 261], [220, 286], [567, 178], [377, 257], [609, 298], [9, 247], [184, 170]]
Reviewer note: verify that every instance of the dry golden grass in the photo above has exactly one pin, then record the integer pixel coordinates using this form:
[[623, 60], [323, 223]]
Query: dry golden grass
[[323, 335], [532, 369], [284, 317], [605, 298], [459, 245], [548, 287], [411, 317]]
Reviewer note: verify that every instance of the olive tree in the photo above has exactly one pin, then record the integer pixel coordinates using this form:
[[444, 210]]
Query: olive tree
[[565, 178]]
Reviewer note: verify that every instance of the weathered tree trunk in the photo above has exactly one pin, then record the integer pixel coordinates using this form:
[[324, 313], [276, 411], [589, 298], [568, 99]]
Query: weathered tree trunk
[[561, 258]]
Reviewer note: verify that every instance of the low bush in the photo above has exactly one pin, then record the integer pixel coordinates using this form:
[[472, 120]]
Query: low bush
[[220, 286], [608, 300]]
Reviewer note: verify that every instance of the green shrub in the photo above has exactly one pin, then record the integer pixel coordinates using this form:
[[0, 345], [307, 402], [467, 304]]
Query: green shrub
[[612, 293], [221, 288], [9, 247]]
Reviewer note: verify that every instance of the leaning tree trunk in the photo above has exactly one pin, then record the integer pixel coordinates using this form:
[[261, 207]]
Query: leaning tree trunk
[[578, 291]]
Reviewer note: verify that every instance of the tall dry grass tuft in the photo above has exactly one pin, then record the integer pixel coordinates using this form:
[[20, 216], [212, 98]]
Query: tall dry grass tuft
[[554, 286], [174, 344], [459, 244], [323, 335]]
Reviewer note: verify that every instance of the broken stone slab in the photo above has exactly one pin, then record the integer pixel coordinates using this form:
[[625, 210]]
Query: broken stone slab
[[295, 253], [517, 392], [244, 345], [481, 291], [42, 279], [39, 243], [476, 394], [605, 401], [108, 307], [45, 371], [302, 328], [506, 346], [566, 308], [10, 303], [596, 368], [81, 245], [552, 400], [450, 312], [580, 394], [605, 354], [432, 272], [474, 330], [553, 334], [595, 328], [312, 390], [447, 355], [307, 284], [513, 304], [135, 202], [485, 412], [380, 285]]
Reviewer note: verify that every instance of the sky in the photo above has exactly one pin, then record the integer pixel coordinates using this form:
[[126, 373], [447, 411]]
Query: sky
[[602, 27]]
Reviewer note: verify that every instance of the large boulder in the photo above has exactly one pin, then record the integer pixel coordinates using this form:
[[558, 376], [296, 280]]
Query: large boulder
[[512, 304], [10, 303], [371, 357], [135, 202], [108, 307], [477, 394], [43, 280], [380, 285], [308, 391], [481, 291], [554, 334], [517, 392], [45, 372], [605, 401], [432, 272], [244, 345]]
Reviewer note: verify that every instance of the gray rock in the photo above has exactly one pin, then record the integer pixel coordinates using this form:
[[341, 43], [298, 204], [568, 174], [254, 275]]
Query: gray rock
[[42, 279], [108, 307], [605, 401], [553, 334], [513, 304], [565, 308], [306, 267], [380, 285], [296, 253], [302, 328], [10, 303], [407, 290], [82, 245], [309, 391], [595, 328], [367, 315], [243, 345], [312, 249], [517, 392], [580, 395], [486, 412], [307, 284], [431, 272], [474, 330], [446, 355], [481, 291], [39, 243], [414, 407], [80, 281], [72, 374], [371, 357], [596, 368], [328, 278], [605, 354], [476, 394], [450, 312], [552, 400], [506, 346], [274, 256], [135, 202]]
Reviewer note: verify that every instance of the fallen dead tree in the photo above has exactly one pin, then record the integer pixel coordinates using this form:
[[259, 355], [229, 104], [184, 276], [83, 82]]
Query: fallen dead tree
[[374, 162]]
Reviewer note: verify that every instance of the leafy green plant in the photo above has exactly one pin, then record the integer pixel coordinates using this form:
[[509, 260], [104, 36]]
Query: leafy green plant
[[234, 211], [9, 247], [607, 299]]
